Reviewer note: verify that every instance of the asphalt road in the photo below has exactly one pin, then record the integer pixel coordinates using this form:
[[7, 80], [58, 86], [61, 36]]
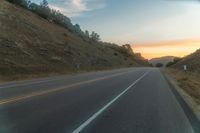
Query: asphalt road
[[134, 100]]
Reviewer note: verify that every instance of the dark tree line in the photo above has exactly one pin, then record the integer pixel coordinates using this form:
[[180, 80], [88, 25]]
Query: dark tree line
[[176, 60], [55, 16], [159, 65]]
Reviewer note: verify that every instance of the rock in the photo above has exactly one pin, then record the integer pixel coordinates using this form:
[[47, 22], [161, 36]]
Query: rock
[[56, 58]]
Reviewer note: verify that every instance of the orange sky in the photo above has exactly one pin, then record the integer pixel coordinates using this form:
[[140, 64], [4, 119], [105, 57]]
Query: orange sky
[[178, 48]]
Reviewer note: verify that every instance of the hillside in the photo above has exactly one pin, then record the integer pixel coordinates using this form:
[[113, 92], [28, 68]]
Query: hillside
[[163, 60], [31, 45], [192, 61], [189, 81]]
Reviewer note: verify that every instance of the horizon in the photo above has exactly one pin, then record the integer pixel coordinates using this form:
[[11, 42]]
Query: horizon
[[151, 27], [176, 48]]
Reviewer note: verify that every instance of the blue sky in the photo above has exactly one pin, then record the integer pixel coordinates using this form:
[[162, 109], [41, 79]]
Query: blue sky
[[134, 21]]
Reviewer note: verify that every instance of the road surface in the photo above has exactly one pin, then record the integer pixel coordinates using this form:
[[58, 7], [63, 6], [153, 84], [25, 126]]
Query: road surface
[[133, 100]]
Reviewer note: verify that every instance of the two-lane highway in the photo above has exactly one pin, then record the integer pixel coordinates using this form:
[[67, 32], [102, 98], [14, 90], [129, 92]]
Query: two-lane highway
[[134, 100]]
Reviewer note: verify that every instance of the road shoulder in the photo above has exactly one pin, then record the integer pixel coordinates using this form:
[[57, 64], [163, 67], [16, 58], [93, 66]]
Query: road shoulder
[[190, 107]]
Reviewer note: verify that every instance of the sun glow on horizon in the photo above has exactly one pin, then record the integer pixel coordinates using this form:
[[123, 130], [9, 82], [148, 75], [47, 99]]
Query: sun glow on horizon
[[179, 48]]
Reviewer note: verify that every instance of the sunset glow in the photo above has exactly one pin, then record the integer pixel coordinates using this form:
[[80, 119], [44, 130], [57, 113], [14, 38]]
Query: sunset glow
[[179, 48], [154, 27]]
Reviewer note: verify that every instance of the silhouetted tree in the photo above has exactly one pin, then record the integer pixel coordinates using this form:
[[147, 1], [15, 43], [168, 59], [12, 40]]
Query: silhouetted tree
[[128, 49], [87, 34], [44, 3], [23, 3], [33, 7], [159, 65], [77, 29], [176, 60], [95, 37]]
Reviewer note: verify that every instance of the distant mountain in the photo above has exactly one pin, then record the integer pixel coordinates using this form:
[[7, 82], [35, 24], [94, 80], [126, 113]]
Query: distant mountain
[[163, 60], [192, 61]]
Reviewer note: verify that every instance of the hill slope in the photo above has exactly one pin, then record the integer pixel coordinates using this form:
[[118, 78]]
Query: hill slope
[[30, 45], [163, 60], [188, 82], [192, 61]]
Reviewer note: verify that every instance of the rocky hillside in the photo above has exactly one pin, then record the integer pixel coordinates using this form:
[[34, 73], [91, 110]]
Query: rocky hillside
[[192, 61], [31, 45]]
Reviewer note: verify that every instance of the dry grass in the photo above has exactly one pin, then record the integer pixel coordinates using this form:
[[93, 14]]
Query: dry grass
[[188, 81], [189, 86], [192, 61], [32, 47]]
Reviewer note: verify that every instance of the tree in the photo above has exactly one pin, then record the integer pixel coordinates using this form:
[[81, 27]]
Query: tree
[[87, 34], [23, 3], [159, 65], [128, 48], [33, 7], [44, 10], [77, 28], [95, 37], [44, 3], [176, 59]]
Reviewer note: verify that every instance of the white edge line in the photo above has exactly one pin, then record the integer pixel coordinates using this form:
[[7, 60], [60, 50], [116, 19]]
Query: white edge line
[[25, 84], [87, 122]]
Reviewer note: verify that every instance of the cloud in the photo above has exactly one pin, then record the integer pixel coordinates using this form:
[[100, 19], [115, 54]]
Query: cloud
[[73, 8]]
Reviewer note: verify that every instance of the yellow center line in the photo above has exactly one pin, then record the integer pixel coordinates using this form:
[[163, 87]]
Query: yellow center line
[[39, 93]]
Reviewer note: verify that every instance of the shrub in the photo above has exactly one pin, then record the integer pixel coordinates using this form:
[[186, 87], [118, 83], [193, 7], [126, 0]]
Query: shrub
[[174, 62], [159, 65]]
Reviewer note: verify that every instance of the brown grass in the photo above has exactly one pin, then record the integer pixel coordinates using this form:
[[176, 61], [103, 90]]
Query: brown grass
[[192, 61], [188, 81], [30, 46]]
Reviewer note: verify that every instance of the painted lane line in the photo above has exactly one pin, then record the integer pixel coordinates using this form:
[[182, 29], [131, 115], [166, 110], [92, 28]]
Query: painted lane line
[[30, 83], [26, 84], [39, 93], [94, 116]]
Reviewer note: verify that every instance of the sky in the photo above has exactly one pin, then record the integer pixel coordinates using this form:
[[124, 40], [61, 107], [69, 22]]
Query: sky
[[153, 27]]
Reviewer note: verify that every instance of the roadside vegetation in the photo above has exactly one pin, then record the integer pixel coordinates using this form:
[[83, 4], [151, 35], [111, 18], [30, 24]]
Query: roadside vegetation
[[159, 65], [175, 60], [189, 83], [189, 80]]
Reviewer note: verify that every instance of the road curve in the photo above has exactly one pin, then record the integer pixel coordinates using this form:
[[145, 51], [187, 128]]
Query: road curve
[[133, 100]]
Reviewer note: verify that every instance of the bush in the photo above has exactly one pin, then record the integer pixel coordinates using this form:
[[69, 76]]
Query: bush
[[176, 60], [159, 65]]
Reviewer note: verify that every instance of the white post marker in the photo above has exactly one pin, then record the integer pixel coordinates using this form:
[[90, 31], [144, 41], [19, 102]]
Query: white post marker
[[185, 67]]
